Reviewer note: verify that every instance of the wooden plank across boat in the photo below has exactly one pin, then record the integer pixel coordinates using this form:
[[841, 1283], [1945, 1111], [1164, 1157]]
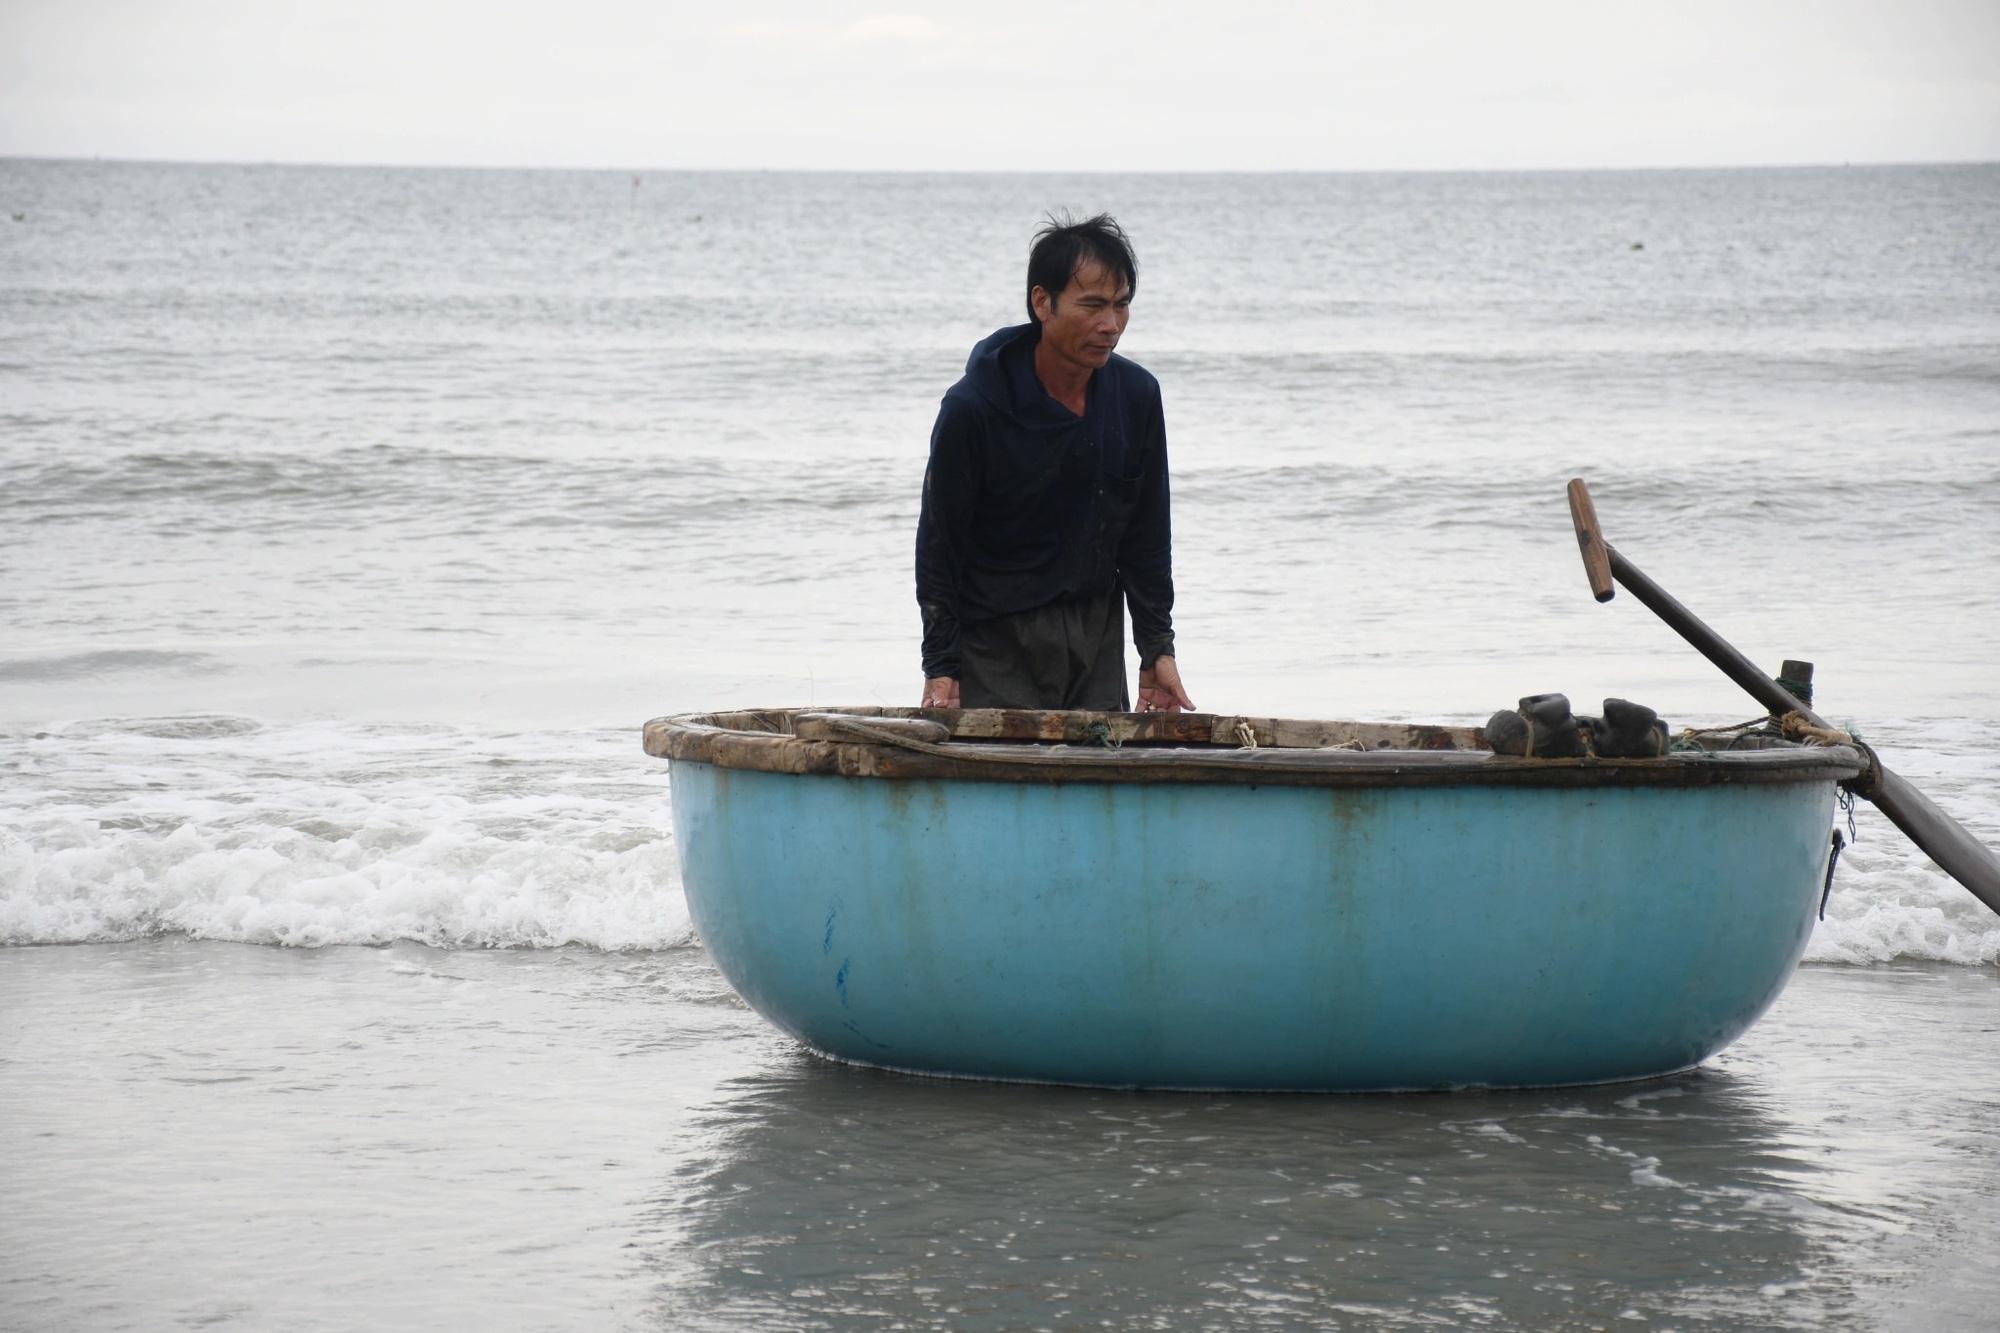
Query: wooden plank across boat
[[1205, 901]]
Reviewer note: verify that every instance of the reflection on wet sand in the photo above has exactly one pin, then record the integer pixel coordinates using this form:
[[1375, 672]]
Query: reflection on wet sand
[[567, 1138], [840, 1197]]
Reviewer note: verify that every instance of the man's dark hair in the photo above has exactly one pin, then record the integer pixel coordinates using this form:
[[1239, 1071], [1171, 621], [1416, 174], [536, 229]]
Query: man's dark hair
[[1063, 243]]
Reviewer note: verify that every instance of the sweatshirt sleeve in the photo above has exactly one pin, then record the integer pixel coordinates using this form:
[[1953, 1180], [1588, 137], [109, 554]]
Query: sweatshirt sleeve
[[1146, 555], [949, 493]]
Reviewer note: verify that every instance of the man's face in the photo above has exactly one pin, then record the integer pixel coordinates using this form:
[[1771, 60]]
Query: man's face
[[1084, 326]]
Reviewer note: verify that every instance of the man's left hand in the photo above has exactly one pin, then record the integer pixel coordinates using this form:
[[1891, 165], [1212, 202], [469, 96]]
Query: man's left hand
[[1160, 689]]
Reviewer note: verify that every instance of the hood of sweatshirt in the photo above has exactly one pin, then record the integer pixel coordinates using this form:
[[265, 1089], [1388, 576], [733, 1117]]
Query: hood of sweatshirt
[[1001, 370]]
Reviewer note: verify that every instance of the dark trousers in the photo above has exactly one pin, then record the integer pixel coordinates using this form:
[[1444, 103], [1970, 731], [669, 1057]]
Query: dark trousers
[[1067, 654]]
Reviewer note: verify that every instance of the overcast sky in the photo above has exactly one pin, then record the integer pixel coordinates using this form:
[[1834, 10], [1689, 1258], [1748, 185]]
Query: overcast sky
[[1025, 84]]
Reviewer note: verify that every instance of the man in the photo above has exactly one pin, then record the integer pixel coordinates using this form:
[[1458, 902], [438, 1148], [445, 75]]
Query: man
[[1045, 503]]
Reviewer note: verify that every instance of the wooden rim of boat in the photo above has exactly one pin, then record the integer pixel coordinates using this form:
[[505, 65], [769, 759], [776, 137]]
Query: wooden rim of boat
[[1019, 745]]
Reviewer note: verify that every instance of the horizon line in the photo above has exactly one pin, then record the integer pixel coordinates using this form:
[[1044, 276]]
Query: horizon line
[[358, 165]]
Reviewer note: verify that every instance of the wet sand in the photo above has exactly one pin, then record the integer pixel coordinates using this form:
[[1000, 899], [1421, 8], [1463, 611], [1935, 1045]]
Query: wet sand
[[403, 1137]]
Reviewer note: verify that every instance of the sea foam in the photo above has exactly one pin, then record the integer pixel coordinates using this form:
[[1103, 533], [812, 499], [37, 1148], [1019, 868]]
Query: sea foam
[[1889, 901], [325, 834]]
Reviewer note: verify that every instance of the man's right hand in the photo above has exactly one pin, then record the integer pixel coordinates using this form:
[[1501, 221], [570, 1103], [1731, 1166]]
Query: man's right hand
[[1160, 688], [940, 692]]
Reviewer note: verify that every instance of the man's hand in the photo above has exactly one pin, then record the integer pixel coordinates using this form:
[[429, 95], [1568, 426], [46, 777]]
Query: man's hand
[[940, 692], [1160, 689]]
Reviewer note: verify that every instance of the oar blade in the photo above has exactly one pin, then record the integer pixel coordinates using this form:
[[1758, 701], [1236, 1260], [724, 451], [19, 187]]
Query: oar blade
[[1590, 539]]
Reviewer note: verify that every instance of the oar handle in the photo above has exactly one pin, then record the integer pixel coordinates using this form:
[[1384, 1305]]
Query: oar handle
[[1596, 555], [1941, 837]]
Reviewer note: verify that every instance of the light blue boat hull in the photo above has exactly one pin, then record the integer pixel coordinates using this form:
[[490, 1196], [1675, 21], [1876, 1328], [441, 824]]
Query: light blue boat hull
[[1252, 937]]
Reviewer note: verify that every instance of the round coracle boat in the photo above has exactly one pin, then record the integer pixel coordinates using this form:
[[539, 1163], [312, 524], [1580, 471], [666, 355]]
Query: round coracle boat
[[1207, 902]]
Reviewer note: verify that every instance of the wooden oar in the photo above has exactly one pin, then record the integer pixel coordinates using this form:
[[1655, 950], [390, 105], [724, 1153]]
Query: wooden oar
[[1941, 837]]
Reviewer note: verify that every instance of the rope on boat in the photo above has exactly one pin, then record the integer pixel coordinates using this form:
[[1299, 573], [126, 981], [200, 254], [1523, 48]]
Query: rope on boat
[[1795, 727], [1692, 735], [1792, 726], [1246, 736]]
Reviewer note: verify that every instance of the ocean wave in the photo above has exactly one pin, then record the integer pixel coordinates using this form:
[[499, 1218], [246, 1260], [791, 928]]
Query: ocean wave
[[430, 492], [323, 834], [71, 666]]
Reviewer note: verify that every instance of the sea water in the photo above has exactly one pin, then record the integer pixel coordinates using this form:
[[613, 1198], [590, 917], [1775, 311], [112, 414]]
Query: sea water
[[351, 521]]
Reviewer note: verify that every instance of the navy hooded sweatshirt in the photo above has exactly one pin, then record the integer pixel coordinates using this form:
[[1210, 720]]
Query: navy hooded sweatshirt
[[1026, 503]]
